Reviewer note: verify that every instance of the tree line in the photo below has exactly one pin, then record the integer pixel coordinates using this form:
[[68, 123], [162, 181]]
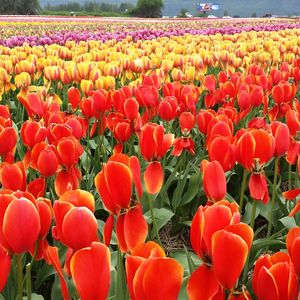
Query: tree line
[[143, 8]]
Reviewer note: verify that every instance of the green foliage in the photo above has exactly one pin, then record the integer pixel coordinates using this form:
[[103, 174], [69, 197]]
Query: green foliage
[[149, 8], [20, 7], [89, 8], [182, 13]]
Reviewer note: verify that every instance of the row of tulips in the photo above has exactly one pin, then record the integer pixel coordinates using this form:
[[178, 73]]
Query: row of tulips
[[90, 174]]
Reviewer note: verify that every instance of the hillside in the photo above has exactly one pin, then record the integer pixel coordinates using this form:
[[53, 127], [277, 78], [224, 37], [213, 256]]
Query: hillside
[[243, 8]]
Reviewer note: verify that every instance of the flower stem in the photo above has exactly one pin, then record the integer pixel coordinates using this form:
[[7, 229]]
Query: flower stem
[[243, 188], [28, 280], [153, 219], [253, 213], [19, 276], [273, 198]]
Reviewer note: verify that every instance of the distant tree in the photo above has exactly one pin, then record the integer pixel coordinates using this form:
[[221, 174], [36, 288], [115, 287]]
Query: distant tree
[[22, 7], [225, 13], [182, 13], [149, 8], [125, 7], [254, 15]]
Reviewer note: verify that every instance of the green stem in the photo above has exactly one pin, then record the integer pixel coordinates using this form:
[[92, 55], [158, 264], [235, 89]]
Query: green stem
[[243, 188], [253, 213], [19, 276], [290, 177], [273, 198], [153, 219], [28, 281]]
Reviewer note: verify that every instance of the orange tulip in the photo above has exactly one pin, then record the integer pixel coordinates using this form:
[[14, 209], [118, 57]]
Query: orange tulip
[[67, 180], [96, 261], [20, 225], [131, 108], [5, 264], [32, 133], [67, 216], [255, 144], [69, 151], [147, 268], [222, 243], [131, 229], [293, 246], [115, 196], [8, 140], [74, 97], [222, 150], [214, 180], [147, 96], [274, 277], [13, 176], [186, 122], [281, 134], [44, 159], [153, 145], [168, 108], [203, 285], [291, 195]]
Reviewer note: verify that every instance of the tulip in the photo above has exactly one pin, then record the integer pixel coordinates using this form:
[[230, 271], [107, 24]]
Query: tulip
[[293, 246], [214, 180], [147, 268], [274, 277], [5, 264], [96, 261], [20, 225]]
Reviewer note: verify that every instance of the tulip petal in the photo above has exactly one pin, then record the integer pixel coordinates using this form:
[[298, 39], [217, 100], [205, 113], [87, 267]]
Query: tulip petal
[[203, 284], [266, 285], [229, 254], [21, 225], [5, 264], [94, 261], [153, 177], [162, 270], [84, 234]]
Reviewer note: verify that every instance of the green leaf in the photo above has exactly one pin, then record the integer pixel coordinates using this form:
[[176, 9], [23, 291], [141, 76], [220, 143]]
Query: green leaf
[[177, 196], [162, 216], [121, 286], [288, 222], [35, 297], [193, 188], [182, 294], [192, 266], [263, 243]]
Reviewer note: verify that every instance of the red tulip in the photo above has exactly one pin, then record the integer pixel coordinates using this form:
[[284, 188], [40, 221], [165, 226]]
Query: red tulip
[[32, 133], [293, 246], [131, 229], [255, 144], [131, 109], [5, 264], [95, 261], [168, 108], [275, 278], [186, 122], [222, 150], [74, 97], [281, 134], [20, 225], [203, 285], [147, 268], [214, 180], [13, 176]]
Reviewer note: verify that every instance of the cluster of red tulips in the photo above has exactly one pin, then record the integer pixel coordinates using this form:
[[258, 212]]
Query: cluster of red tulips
[[128, 146]]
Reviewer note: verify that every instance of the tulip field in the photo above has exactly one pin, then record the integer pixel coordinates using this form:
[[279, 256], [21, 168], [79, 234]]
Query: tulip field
[[149, 159]]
